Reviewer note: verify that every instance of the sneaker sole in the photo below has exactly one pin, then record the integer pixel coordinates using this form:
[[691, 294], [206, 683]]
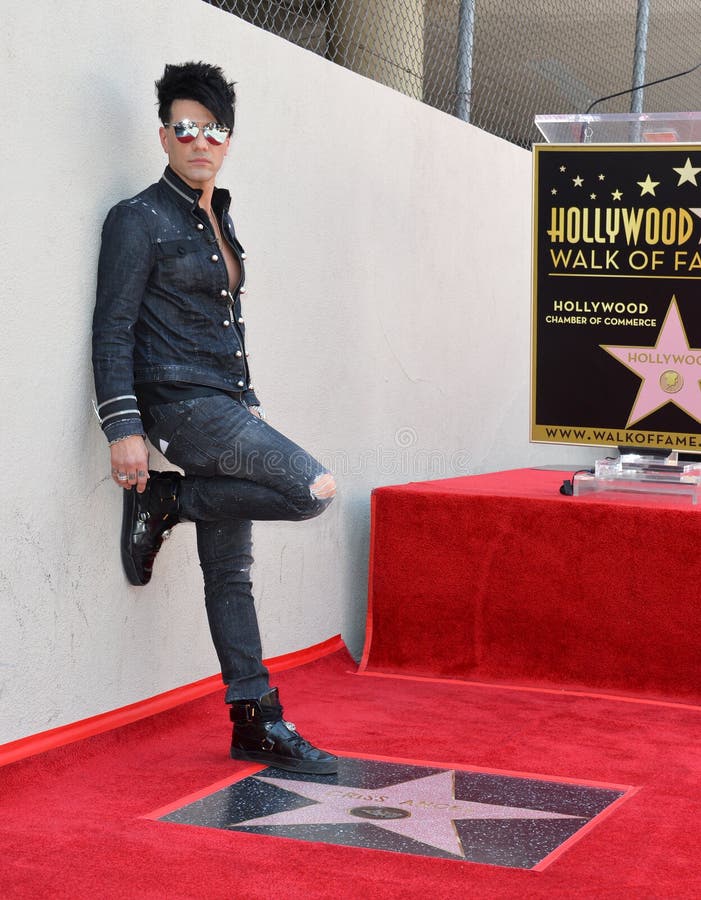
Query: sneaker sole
[[128, 509], [305, 766]]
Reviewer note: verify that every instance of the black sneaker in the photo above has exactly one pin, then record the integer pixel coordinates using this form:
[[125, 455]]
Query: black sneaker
[[261, 735], [147, 519]]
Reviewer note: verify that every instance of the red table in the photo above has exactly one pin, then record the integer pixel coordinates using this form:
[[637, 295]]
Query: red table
[[500, 577]]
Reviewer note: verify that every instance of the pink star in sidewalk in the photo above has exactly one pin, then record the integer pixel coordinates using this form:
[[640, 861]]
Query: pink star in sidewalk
[[670, 371], [422, 809]]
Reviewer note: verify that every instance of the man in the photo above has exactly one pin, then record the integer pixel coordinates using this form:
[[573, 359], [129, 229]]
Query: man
[[170, 361]]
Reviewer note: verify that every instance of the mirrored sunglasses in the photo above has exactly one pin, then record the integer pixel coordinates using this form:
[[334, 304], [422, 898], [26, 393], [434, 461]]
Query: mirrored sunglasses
[[186, 131]]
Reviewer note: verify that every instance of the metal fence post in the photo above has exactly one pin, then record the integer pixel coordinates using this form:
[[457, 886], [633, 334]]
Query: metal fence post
[[642, 23], [466, 39]]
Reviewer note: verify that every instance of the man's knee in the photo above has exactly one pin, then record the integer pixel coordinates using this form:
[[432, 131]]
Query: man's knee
[[316, 497], [324, 488], [235, 570]]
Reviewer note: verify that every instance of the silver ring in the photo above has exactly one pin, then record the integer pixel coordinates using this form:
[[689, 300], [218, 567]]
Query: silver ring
[[122, 476]]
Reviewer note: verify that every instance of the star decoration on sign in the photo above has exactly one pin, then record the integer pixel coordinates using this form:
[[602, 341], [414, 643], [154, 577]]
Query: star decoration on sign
[[616, 194], [602, 177], [687, 173], [563, 168], [553, 191], [422, 809], [592, 196], [648, 186], [578, 181], [670, 371]]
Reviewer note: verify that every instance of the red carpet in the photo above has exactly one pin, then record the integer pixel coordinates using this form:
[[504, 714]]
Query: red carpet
[[500, 577], [71, 823]]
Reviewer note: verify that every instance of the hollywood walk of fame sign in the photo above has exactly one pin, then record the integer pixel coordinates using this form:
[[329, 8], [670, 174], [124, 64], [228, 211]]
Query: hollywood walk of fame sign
[[406, 808], [616, 353]]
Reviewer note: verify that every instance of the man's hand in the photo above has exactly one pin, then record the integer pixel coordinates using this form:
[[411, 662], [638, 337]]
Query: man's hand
[[129, 459]]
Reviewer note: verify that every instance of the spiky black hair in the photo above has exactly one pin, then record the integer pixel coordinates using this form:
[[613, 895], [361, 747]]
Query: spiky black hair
[[198, 81]]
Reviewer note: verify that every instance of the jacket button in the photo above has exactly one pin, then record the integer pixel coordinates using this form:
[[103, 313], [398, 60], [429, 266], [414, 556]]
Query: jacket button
[[247, 354], [243, 256], [214, 257], [238, 354], [200, 226], [223, 293], [240, 320], [226, 323], [242, 291], [239, 384], [250, 387]]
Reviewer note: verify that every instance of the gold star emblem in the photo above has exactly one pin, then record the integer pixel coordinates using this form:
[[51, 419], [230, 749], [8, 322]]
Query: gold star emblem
[[616, 194], [648, 186], [578, 181], [687, 173]]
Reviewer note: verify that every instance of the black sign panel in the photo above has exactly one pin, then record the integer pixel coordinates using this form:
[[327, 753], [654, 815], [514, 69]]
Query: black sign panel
[[617, 296]]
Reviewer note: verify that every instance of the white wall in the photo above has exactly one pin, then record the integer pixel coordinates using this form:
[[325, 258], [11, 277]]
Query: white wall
[[388, 315]]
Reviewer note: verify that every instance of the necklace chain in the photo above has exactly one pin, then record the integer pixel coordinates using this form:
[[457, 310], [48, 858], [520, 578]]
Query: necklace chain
[[218, 237]]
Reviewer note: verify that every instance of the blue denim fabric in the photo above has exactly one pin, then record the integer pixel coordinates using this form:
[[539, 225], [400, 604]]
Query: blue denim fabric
[[237, 468], [164, 311]]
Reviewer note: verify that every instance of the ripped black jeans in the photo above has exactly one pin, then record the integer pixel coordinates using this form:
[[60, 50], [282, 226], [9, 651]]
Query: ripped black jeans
[[237, 468]]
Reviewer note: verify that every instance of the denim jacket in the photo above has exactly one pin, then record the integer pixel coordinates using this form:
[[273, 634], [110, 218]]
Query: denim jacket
[[164, 311]]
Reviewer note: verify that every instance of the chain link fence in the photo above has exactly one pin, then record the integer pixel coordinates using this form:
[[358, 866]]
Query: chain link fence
[[498, 63]]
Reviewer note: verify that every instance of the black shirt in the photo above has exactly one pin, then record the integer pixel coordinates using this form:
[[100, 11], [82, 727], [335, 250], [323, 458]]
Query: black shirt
[[156, 393]]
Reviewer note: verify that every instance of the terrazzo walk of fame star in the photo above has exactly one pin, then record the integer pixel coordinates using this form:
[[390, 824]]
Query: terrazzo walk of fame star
[[455, 814]]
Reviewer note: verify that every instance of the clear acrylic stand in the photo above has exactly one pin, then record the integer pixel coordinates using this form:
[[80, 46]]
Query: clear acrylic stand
[[632, 473], [615, 128]]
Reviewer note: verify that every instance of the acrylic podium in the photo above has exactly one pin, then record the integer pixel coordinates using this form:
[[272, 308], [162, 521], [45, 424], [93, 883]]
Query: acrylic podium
[[623, 128]]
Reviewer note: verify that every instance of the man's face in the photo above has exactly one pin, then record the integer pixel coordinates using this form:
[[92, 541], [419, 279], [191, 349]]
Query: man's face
[[197, 162]]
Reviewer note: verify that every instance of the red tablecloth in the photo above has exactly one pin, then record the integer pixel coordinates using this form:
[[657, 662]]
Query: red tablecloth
[[500, 577]]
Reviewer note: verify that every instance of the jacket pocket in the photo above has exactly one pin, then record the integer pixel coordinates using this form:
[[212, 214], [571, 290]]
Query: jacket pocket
[[180, 264]]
